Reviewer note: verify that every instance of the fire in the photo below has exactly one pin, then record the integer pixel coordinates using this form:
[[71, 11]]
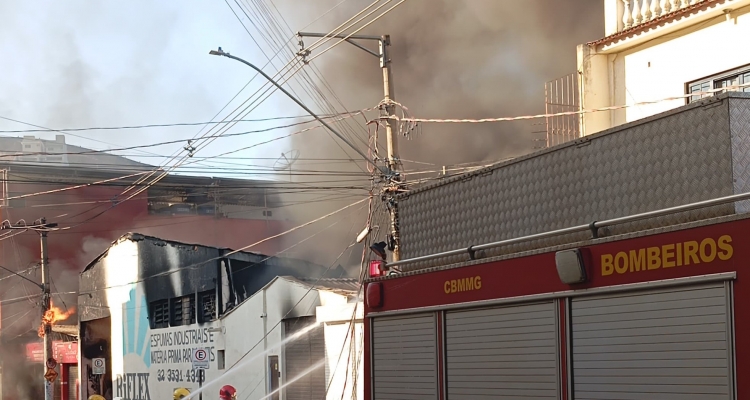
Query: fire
[[54, 315]]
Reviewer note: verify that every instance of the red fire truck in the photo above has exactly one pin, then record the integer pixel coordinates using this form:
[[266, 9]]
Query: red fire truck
[[653, 315], [647, 302]]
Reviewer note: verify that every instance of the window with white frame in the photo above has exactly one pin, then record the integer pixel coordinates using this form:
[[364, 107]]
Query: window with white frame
[[737, 77]]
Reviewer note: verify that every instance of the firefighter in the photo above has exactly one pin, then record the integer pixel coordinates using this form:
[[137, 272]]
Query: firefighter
[[227, 392], [96, 397], [181, 393]]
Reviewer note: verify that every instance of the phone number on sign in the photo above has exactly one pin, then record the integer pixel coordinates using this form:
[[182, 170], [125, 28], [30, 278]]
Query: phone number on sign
[[178, 375]]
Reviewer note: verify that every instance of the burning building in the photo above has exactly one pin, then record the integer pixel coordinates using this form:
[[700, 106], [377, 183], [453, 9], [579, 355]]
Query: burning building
[[36, 177], [147, 304]]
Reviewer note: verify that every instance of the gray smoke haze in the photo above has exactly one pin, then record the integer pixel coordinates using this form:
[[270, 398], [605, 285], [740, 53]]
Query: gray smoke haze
[[140, 63], [462, 59], [451, 59]]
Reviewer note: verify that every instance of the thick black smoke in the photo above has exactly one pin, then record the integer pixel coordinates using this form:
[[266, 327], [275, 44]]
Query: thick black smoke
[[451, 59]]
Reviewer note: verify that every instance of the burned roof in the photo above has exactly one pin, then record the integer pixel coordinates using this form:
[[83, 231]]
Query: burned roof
[[69, 330], [247, 256], [251, 192], [343, 286]]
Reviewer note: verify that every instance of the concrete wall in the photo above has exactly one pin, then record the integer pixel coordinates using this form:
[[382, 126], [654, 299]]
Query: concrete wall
[[656, 65]]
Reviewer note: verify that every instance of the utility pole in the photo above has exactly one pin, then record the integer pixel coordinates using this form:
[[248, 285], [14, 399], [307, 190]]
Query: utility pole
[[388, 98], [393, 161], [46, 303], [50, 374]]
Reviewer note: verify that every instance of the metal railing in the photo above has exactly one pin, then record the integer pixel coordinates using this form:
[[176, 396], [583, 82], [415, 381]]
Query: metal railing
[[560, 96]]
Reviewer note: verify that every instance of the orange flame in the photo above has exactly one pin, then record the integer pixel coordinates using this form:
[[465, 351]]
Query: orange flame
[[53, 316]]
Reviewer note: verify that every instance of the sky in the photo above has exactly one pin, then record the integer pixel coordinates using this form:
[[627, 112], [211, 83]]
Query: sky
[[83, 64], [92, 64]]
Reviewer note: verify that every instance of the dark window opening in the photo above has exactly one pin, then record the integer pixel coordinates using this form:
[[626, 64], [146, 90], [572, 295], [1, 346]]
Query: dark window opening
[[208, 305], [183, 310], [698, 87], [220, 359], [268, 213], [159, 314], [736, 77]]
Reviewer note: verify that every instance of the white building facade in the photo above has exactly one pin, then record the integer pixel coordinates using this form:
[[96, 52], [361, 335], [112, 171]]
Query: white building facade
[[282, 341], [661, 49]]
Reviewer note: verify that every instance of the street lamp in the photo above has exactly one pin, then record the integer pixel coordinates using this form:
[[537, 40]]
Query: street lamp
[[221, 52]]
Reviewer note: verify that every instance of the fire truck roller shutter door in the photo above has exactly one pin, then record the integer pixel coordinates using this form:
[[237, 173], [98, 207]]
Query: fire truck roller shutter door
[[667, 343], [502, 352], [404, 358]]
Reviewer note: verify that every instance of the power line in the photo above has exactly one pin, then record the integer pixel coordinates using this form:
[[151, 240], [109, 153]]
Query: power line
[[68, 188], [203, 263], [21, 276], [566, 113], [165, 142], [253, 185], [291, 309], [230, 152], [272, 34], [190, 150], [147, 126], [171, 168], [340, 29], [25, 298]]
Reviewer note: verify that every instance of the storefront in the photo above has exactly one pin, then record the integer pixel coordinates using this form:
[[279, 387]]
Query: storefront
[[66, 354]]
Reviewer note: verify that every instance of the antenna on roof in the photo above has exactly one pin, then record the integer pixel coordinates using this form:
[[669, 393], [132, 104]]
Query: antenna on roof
[[285, 161]]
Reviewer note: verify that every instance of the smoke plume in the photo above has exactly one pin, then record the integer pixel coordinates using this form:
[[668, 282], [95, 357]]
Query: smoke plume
[[451, 59]]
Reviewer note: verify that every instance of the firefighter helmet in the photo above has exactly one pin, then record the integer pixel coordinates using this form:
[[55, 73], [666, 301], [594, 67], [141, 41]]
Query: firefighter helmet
[[181, 393], [227, 392], [96, 397]]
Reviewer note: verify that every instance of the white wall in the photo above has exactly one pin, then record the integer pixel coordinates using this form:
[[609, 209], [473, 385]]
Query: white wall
[[661, 67], [245, 330], [149, 363], [161, 358], [344, 349], [673, 62], [121, 268]]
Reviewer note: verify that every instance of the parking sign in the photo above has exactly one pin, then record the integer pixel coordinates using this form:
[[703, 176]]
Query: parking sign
[[99, 366], [200, 358]]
